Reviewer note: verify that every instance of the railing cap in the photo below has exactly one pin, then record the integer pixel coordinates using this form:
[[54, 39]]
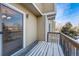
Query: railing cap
[[71, 40]]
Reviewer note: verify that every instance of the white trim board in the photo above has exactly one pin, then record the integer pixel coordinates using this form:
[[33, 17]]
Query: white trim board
[[37, 8], [49, 13], [24, 19]]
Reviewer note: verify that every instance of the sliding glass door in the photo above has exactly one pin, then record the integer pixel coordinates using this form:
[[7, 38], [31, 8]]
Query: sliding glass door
[[12, 30]]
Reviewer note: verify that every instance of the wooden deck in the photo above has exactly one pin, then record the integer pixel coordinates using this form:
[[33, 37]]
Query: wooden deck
[[46, 49]]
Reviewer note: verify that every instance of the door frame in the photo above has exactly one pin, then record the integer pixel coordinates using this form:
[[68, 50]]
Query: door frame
[[24, 20]]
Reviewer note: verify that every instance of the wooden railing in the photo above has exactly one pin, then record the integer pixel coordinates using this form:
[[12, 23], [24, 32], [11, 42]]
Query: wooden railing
[[53, 37], [69, 45]]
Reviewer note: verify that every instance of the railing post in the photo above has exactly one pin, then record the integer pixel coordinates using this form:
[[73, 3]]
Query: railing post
[[75, 51], [47, 36]]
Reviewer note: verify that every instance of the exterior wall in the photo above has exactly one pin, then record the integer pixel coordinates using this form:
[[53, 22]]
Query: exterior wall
[[30, 25], [35, 28], [41, 28], [46, 7]]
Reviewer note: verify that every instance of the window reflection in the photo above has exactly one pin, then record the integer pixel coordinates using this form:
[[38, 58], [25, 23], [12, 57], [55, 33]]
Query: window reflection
[[12, 28]]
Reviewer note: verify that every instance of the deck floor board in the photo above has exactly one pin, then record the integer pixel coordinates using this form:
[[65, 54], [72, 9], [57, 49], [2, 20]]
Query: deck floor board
[[39, 49], [56, 51], [33, 50], [46, 49]]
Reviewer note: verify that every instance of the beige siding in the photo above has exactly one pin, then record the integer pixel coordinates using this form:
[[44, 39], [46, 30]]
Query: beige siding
[[41, 28], [31, 25], [34, 26]]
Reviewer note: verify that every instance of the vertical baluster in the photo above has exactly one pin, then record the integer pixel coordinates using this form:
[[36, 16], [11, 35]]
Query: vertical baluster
[[60, 40], [67, 53], [77, 51], [65, 44], [65, 48], [70, 49]]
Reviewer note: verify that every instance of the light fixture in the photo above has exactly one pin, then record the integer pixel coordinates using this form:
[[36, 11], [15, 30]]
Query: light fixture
[[27, 15], [8, 17], [4, 16]]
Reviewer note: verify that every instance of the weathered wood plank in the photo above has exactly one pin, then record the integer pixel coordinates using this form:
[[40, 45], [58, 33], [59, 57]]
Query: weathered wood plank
[[60, 50], [31, 51], [49, 52], [56, 51], [40, 50], [45, 52], [52, 46], [46, 49], [37, 49], [43, 49]]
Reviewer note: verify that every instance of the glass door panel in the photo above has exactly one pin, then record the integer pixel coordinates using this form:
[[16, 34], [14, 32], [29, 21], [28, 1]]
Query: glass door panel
[[12, 28]]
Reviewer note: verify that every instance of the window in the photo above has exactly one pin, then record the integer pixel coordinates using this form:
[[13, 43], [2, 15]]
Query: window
[[12, 30]]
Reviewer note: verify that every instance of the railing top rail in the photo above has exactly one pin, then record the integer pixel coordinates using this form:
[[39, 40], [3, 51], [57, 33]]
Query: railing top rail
[[71, 40], [53, 32]]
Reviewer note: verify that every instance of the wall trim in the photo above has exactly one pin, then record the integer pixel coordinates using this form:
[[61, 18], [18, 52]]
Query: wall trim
[[49, 13], [24, 19], [37, 8]]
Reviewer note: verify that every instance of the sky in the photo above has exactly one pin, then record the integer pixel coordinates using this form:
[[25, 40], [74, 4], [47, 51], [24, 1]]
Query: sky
[[67, 12]]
